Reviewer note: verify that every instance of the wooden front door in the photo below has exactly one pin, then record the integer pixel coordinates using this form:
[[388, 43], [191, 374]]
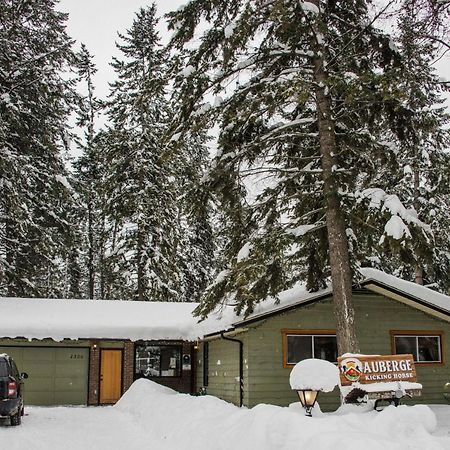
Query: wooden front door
[[110, 376]]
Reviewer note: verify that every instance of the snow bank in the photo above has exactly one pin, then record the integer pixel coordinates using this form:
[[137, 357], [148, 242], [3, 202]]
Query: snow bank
[[205, 423], [315, 374]]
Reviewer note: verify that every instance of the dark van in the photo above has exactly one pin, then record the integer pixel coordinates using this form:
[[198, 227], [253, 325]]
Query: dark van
[[11, 390]]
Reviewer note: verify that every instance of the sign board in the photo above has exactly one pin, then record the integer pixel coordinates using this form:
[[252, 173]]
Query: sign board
[[366, 369]]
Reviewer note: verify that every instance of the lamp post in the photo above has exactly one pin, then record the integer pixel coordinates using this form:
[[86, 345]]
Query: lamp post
[[311, 376], [308, 399]]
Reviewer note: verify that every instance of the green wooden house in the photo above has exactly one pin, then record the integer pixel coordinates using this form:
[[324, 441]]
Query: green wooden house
[[249, 362], [89, 352]]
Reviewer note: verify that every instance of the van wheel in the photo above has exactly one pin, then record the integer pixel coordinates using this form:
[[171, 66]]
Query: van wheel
[[16, 419]]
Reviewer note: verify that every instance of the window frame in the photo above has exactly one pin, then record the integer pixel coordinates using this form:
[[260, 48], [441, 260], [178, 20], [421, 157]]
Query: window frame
[[416, 334], [296, 332], [161, 345]]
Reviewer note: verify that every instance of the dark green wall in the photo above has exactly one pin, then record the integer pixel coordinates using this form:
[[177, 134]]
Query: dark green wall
[[58, 371], [224, 368]]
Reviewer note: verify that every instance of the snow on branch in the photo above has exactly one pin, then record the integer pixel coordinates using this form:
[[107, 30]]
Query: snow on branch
[[396, 226], [309, 7]]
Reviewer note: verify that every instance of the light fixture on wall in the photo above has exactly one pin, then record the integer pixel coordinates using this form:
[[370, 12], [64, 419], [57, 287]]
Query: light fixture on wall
[[308, 399]]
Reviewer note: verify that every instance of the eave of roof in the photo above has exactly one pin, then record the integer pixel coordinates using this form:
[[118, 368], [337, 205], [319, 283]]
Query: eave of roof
[[370, 284], [406, 298]]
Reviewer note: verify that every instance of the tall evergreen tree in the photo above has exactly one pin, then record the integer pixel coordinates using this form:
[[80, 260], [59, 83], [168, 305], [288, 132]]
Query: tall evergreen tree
[[300, 100], [197, 235], [418, 128], [34, 105], [140, 182], [88, 169]]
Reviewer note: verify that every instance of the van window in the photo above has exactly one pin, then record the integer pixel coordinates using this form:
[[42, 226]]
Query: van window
[[3, 368]]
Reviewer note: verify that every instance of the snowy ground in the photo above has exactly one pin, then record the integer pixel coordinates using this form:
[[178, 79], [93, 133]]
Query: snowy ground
[[156, 418]]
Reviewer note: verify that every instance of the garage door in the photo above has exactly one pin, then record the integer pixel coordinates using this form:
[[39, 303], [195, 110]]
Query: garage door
[[57, 376]]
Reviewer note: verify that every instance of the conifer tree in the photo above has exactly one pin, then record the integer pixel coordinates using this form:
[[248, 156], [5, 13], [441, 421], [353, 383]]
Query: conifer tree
[[300, 90], [88, 169], [418, 128], [34, 105], [197, 237], [140, 183]]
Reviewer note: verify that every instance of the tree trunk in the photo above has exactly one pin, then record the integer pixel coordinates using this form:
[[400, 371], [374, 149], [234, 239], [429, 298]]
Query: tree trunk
[[140, 264], [418, 268], [101, 255], [91, 269], [341, 276]]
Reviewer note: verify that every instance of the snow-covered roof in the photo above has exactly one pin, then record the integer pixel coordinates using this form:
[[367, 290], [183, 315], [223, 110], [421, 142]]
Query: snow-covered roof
[[112, 319], [102, 319], [298, 295], [412, 290], [287, 299]]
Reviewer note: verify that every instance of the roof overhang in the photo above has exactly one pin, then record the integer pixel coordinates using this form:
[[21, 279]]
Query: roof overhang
[[367, 285], [407, 299]]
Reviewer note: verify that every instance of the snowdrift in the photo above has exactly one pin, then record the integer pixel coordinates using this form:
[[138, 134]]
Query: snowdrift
[[208, 423]]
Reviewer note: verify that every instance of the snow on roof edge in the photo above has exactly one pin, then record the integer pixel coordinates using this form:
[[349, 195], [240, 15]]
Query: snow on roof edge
[[405, 287], [60, 319]]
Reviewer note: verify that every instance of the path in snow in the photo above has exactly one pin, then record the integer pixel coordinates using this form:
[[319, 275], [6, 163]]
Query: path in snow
[[73, 428]]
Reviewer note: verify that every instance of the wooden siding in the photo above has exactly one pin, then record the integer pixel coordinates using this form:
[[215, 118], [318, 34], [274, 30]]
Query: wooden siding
[[224, 368], [377, 316], [267, 381]]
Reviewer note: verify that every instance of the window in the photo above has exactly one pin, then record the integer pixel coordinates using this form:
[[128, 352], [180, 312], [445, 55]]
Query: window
[[157, 361], [424, 346], [303, 345], [4, 370]]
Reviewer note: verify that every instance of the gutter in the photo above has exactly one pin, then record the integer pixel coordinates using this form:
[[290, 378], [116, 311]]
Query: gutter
[[241, 366]]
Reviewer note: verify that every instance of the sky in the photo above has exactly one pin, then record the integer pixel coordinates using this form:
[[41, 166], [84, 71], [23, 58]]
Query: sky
[[97, 22]]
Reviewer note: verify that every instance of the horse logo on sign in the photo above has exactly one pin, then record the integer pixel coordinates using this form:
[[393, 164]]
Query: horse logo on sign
[[352, 369]]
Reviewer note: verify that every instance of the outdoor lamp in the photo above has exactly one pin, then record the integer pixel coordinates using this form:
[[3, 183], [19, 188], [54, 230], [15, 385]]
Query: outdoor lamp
[[308, 399], [310, 376]]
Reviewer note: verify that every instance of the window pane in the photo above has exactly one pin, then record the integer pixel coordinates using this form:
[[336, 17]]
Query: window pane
[[325, 347], [170, 361], [406, 344], [3, 368], [429, 348], [298, 347], [157, 361], [147, 361]]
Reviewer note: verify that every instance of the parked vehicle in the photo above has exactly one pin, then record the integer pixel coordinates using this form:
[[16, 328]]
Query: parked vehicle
[[11, 390]]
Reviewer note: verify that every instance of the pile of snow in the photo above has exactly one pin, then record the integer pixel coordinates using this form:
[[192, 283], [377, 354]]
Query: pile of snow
[[315, 374], [205, 423]]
